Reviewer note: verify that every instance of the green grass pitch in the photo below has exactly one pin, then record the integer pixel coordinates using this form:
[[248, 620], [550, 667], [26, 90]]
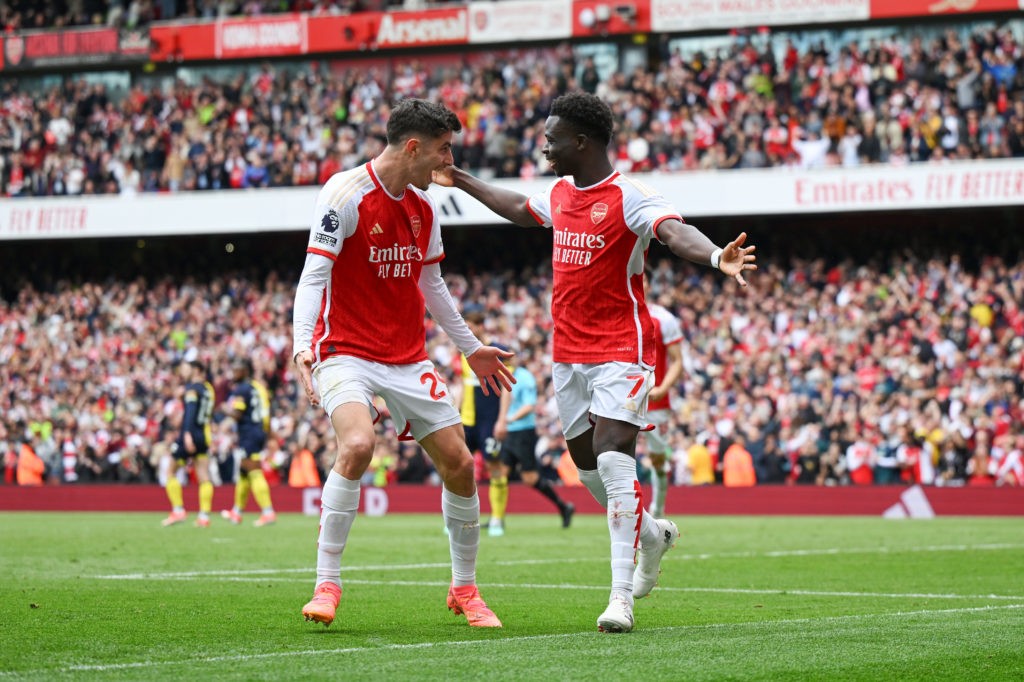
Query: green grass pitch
[[117, 597]]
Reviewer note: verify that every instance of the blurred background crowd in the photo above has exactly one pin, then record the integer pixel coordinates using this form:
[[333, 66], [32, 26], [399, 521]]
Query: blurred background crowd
[[907, 369], [748, 101]]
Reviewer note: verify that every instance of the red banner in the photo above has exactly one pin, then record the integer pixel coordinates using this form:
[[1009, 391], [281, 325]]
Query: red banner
[[182, 42], [418, 29], [343, 34], [758, 500], [882, 9], [46, 49], [274, 36], [299, 34], [598, 17]]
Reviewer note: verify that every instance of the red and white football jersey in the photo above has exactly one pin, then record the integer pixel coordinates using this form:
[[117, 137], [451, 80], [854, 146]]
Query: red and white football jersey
[[601, 234], [373, 307], [668, 333]]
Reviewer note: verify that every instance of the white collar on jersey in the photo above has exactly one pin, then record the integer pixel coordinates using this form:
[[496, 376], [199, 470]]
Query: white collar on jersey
[[376, 177], [596, 184]]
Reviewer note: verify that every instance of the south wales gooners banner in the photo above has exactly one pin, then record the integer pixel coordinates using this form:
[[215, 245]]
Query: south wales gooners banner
[[692, 15]]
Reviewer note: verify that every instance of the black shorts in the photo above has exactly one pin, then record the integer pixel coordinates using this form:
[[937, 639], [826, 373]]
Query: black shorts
[[252, 443], [182, 455], [520, 447], [480, 437]]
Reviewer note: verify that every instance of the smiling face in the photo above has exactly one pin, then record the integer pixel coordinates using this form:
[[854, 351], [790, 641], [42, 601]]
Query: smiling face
[[428, 154], [562, 146]]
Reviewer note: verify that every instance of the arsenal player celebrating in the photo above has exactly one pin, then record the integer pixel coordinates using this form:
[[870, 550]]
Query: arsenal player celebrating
[[604, 338], [371, 269]]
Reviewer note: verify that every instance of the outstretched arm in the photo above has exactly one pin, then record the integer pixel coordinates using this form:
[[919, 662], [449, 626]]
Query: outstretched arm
[[508, 204], [686, 241]]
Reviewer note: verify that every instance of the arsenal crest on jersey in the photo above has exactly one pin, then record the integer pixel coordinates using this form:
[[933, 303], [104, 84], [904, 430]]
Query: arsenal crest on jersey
[[598, 212], [416, 224]]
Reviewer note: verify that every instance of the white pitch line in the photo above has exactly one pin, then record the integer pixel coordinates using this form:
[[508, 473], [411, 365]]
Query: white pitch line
[[261, 571], [311, 569], [236, 658], [851, 550], [221, 576], [724, 590], [526, 562]]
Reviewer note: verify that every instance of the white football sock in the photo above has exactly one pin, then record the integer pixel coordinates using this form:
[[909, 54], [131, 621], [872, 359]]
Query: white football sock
[[592, 479], [618, 472], [659, 487], [338, 504], [462, 519]]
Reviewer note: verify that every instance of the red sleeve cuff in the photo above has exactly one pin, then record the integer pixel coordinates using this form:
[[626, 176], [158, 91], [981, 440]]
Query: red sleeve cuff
[[659, 221], [321, 252], [536, 217]]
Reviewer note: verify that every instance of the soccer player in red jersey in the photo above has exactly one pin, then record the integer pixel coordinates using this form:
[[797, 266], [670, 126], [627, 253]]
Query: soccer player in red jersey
[[372, 268], [604, 338], [668, 368]]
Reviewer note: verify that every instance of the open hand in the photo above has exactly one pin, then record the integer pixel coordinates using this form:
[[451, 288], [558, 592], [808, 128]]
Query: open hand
[[487, 363], [736, 258], [444, 177]]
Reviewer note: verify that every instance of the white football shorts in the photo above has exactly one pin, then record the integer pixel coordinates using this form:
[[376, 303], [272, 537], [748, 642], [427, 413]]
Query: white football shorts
[[657, 438], [615, 390], [417, 397]]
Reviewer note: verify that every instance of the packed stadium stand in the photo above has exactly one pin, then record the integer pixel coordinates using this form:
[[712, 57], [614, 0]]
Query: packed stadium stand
[[747, 104], [886, 356]]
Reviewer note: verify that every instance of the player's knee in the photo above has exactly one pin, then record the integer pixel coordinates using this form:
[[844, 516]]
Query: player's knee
[[356, 446], [529, 477], [456, 469]]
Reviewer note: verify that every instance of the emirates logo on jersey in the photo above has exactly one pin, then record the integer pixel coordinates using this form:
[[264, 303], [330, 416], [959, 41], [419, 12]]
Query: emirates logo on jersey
[[416, 225], [598, 212]]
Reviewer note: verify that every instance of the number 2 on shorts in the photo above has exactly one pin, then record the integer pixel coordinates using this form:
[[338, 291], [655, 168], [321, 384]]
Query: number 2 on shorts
[[434, 381]]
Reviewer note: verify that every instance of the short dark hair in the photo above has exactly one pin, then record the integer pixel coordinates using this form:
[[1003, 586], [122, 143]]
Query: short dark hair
[[413, 116], [243, 362], [587, 113]]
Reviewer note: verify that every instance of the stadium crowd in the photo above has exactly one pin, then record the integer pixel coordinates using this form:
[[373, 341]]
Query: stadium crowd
[[899, 101], [905, 370]]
